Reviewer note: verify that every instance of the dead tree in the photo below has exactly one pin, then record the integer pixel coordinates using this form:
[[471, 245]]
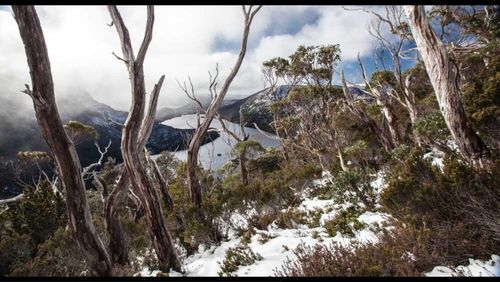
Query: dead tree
[[11, 200], [381, 94], [112, 202], [364, 118], [242, 154], [195, 143], [162, 183], [394, 20], [63, 150], [444, 79], [28, 157], [132, 131]]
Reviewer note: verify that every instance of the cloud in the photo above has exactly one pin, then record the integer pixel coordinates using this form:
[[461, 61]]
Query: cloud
[[187, 40]]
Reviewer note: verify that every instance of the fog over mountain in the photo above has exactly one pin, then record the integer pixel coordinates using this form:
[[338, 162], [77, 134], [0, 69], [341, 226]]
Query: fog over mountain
[[20, 132], [81, 60]]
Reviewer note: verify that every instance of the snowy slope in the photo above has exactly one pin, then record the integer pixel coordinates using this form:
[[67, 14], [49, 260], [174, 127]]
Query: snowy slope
[[475, 268], [280, 242], [275, 245]]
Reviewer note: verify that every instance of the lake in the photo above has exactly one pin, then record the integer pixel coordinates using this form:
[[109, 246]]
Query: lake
[[216, 154]]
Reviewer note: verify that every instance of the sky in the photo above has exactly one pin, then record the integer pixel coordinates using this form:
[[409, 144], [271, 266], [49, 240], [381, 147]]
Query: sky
[[187, 41]]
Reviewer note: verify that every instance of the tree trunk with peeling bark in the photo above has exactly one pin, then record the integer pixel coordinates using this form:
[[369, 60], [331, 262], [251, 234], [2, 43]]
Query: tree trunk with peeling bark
[[117, 244], [167, 200], [340, 155], [389, 115], [195, 143], [410, 101], [118, 247], [243, 167], [192, 164], [364, 118], [443, 77], [133, 130], [63, 150]]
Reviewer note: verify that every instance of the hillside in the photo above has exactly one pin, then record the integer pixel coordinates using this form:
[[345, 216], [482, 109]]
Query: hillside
[[255, 108], [379, 154], [24, 136]]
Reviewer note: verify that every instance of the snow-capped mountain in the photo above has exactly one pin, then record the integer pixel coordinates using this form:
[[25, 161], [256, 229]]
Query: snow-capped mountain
[[255, 107]]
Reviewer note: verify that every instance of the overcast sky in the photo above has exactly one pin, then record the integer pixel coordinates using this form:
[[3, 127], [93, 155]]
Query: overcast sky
[[187, 40]]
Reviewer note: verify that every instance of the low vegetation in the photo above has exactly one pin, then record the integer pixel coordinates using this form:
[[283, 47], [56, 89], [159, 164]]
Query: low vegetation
[[333, 145]]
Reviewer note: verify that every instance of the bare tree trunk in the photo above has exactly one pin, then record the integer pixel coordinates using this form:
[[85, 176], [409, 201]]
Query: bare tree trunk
[[192, 176], [411, 106], [443, 77], [118, 248], [117, 244], [382, 96], [389, 115], [410, 101], [133, 129], [51, 127], [195, 143], [243, 167], [392, 124], [364, 118], [341, 158], [169, 203]]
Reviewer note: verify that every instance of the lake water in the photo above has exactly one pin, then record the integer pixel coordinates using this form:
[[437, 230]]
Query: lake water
[[216, 154]]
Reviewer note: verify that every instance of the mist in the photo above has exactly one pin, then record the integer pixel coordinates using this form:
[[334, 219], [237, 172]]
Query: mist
[[187, 41]]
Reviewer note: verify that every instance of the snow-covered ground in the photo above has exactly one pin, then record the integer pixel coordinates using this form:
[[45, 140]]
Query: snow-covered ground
[[279, 245], [215, 154], [475, 268], [274, 245]]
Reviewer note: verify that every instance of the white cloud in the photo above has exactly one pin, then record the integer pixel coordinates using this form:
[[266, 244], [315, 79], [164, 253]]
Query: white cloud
[[80, 45]]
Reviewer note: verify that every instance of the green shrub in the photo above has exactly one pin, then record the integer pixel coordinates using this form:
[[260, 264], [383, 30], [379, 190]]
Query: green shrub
[[385, 258], [267, 162], [401, 152], [264, 237], [196, 225], [79, 132], [315, 217], [39, 213], [480, 92], [236, 257], [291, 218], [15, 249], [457, 206], [433, 126], [246, 238], [415, 189], [140, 241], [57, 256], [262, 220], [346, 222], [352, 186]]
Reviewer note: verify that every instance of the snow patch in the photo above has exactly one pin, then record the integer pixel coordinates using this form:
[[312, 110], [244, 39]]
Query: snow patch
[[275, 245], [475, 268]]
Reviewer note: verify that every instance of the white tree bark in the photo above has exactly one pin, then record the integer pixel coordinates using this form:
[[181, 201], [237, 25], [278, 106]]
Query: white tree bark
[[443, 77], [135, 129], [364, 118], [201, 130]]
